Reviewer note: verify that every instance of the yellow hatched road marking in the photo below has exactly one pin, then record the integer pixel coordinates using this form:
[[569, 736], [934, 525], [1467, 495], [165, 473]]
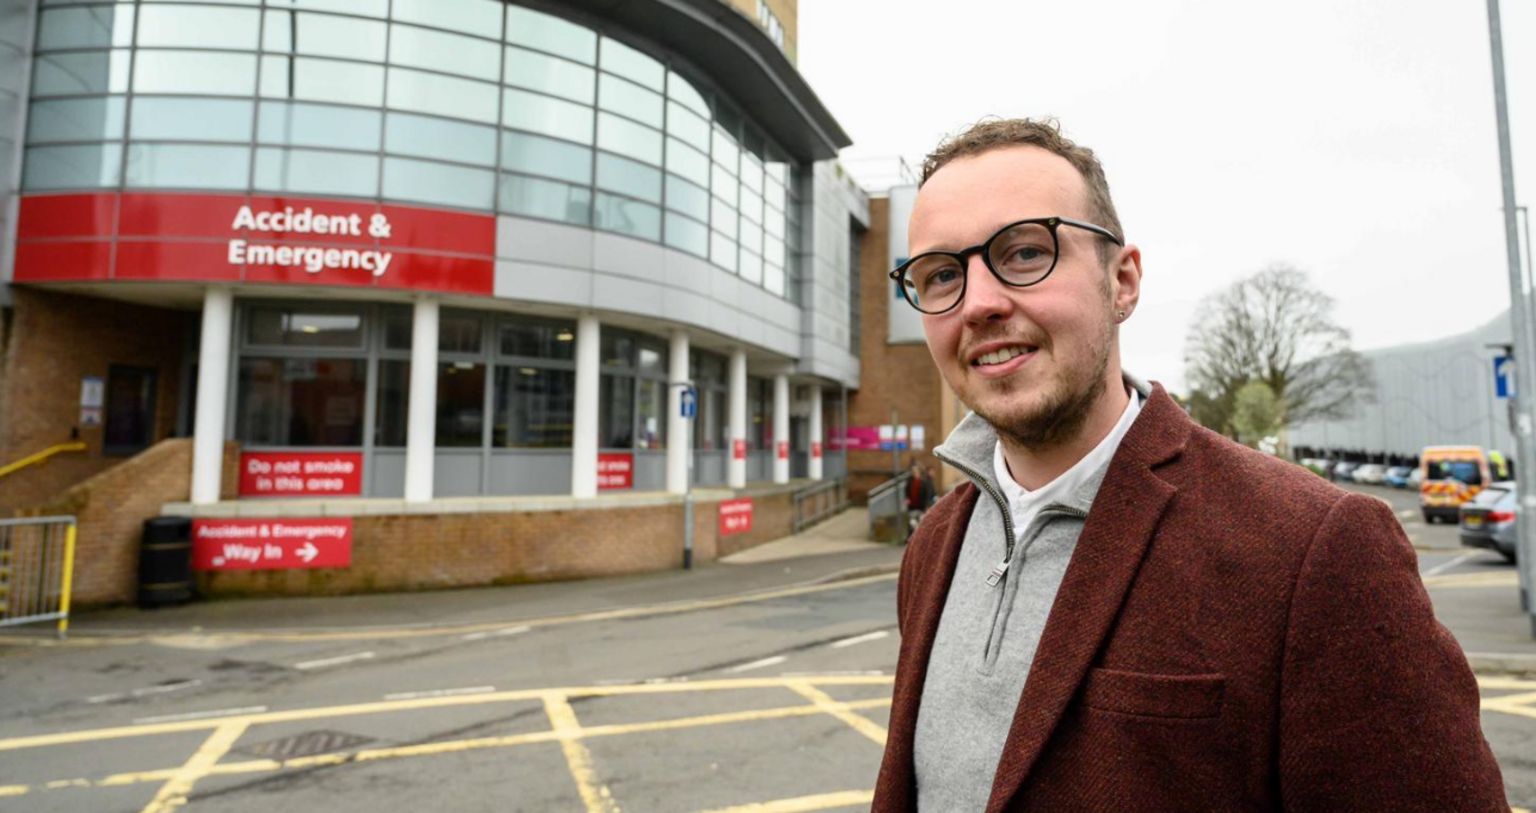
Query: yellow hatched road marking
[[823, 801], [826, 703], [458, 746], [1499, 578], [378, 707], [562, 718], [1489, 682], [174, 792]]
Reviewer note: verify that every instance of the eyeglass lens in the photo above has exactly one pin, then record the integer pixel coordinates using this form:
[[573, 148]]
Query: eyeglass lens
[[1020, 255]]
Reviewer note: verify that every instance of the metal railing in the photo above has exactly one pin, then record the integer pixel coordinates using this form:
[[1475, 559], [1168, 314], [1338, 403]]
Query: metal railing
[[888, 510], [34, 459], [37, 569], [818, 501]]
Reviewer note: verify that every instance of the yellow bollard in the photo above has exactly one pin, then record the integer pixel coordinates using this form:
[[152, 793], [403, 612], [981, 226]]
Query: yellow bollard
[[69, 578]]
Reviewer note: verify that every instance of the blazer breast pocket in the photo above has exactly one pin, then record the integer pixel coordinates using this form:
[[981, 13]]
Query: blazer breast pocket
[[1174, 697]]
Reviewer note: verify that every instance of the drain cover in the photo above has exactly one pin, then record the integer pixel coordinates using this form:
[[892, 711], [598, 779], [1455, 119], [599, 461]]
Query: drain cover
[[304, 745]]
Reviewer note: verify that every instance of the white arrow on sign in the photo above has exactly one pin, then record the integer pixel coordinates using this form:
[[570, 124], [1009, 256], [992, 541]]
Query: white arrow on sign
[[308, 552]]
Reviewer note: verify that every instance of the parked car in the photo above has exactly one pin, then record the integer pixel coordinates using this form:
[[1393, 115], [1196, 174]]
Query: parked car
[[1415, 477], [1343, 471], [1370, 474], [1397, 476], [1452, 475], [1488, 519], [1316, 464]]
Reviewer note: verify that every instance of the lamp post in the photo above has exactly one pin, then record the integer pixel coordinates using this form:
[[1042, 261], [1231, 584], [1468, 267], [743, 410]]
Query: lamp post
[[688, 403]]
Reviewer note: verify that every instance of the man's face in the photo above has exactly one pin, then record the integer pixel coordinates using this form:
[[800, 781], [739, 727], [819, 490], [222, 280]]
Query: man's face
[[1032, 361]]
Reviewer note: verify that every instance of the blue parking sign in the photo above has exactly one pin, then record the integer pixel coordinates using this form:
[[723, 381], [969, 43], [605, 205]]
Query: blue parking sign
[[1503, 377]]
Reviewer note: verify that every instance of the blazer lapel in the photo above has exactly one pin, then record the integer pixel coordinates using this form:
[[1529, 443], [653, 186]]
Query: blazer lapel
[[1120, 526], [897, 787]]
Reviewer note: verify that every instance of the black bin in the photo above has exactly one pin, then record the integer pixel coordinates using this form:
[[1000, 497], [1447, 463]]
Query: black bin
[[165, 562]]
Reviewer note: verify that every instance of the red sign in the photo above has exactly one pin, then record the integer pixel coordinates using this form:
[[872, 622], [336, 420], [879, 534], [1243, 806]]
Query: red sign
[[815, 449], [301, 474], [859, 439], [615, 470], [783, 450], [739, 449], [735, 516], [271, 544], [265, 239]]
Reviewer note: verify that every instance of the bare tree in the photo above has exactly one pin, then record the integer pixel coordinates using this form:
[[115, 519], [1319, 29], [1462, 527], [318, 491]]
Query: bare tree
[[1272, 327]]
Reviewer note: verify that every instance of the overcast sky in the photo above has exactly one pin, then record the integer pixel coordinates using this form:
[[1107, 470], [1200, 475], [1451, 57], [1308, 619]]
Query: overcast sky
[[1354, 140]]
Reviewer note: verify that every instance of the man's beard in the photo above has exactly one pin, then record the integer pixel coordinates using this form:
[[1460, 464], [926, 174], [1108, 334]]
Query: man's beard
[[1064, 412]]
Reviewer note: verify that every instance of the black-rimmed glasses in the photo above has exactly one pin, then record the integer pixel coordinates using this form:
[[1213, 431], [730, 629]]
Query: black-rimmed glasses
[[1020, 254]]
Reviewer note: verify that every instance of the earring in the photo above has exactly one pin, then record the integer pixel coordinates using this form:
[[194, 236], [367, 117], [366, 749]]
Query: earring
[[1120, 316]]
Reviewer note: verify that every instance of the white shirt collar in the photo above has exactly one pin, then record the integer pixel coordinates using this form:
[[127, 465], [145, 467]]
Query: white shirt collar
[[1024, 503]]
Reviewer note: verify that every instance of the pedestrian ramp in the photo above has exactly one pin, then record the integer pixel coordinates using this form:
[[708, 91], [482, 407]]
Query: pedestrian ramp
[[847, 531]]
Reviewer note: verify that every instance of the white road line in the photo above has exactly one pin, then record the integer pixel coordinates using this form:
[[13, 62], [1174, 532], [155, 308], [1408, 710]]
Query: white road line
[[440, 693], [747, 667], [1407, 513], [1444, 566], [845, 673], [147, 690], [859, 639], [198, 715], [106, 698], [336, 661], [478, 636]]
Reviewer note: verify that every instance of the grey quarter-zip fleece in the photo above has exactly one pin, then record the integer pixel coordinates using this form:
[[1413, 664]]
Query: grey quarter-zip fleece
[[993, 618]]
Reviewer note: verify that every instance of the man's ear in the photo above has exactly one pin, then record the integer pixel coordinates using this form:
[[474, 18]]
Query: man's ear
[[1125, 280]]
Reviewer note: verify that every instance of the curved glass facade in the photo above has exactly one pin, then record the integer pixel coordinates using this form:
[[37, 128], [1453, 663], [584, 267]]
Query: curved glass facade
[[472, 104]]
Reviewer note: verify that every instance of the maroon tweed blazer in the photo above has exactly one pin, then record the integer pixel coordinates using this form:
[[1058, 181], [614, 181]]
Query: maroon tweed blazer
[[1233, 633]]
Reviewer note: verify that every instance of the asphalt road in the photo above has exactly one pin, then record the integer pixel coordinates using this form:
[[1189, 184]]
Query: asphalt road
[[777, 700]]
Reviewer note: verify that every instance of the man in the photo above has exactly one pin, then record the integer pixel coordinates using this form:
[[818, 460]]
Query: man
[[1123, 611]]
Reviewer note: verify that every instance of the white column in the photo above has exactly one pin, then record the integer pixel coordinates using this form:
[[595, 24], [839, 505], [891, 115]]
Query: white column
[[781, 428], [212, 395], [584, 419], [421, 424], [818, 443], [736, 461], [679, 438]]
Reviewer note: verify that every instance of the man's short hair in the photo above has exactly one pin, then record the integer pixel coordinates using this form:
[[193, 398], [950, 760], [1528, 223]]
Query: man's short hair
[[993, 134]]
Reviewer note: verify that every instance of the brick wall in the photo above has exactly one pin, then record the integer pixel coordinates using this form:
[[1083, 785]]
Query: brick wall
[[899, 375], [51, 342]]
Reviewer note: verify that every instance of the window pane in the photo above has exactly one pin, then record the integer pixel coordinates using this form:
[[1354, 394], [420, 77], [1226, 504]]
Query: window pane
[[617, 349], [631, 64], [187, 166], [723, 217], [688, 198], [773, 279], [688, 235], [444, 95], [687, 126], [549, 74], [751, 206], [751, 236], [460, 403], [552, 200], [773, 252], [397, 329], [452, 53], [616, 412], [751, 268], [408, 179], [87, 167], [94, 27], [439, 138], [651, 409], [547, 32], [629, 177], [194, 72], [170, 117], [724, 185], [393, 405], [777, 171], [627, 217], [324, 172], [318, 125], [75, 120], [687, 162], [683, 92], [268, 325], [538, 339], [482, 17], [322, 80], [540, 114], [722, 251], [364, 8], [546, 156], [176, 26], [629, 99], [323, 35], [535, 408], [752, 173], [458, 333], [300, 402], [628, 138], [773, 223], [85, 72]]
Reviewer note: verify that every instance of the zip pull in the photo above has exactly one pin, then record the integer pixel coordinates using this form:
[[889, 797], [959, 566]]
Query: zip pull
[[997, 573]]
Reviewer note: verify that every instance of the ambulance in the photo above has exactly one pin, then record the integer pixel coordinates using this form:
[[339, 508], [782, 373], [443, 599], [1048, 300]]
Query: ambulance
[[1451, 475]]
